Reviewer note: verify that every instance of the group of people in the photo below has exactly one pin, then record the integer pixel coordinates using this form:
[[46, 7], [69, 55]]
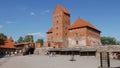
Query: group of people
[[6, 53], [51, 54]]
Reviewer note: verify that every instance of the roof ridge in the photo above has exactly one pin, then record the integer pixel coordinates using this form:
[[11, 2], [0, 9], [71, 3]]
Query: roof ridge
[[63, 9], [82, 23], [50, 30]]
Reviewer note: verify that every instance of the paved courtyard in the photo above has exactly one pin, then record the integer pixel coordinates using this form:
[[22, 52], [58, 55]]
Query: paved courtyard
[[36, 61]]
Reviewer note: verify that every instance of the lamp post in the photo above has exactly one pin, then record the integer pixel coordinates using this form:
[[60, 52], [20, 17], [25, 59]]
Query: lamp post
[[72, 56]]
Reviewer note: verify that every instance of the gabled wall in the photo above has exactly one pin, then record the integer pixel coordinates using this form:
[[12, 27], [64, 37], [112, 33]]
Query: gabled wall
[[77, 37], [93, 37]]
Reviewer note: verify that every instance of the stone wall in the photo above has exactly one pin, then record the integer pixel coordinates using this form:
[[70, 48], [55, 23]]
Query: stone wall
[[107, 48], [41, 51]]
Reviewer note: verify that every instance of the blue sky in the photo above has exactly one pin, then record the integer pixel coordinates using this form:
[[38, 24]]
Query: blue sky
[[22, 17]]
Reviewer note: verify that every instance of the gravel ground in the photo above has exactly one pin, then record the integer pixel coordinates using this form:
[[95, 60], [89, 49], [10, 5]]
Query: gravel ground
[[36, 61]]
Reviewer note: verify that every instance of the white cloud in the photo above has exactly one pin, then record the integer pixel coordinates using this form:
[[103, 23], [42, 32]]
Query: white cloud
[[1, 26], [10, 22], [41, 35], [32, 13], [24, 8], [45, 12]]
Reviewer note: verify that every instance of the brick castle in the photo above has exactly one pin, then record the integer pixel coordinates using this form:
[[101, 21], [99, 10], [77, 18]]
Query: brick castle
[[62, 34]]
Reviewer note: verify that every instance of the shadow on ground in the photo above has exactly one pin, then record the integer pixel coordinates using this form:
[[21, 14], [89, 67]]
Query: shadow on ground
[[1, 56]]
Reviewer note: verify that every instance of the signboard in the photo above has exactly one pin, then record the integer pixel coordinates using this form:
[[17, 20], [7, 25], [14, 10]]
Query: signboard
[[105, 60]]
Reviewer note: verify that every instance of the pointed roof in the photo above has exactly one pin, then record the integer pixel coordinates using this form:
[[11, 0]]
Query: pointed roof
[[50, 30], [63, 9], [8, 43], [11, 39], [82, 23]]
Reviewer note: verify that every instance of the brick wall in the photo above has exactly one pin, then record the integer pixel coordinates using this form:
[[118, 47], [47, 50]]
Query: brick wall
[[93, 37], [77, 37]]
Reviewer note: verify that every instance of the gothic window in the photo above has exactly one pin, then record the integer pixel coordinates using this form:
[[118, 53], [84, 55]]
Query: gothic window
[[76, 41], [57, 34], [57, 21], [57, 28], [65, 33], [48, 44]]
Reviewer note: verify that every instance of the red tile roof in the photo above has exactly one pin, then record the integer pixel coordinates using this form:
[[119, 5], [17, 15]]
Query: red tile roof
[[7, 43], [82, 23], [25, 43], [22, 43], [63, 9], [50, 30]]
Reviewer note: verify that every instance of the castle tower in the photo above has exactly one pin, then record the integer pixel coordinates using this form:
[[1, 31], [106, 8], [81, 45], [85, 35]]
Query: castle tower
[[61, 23], [62, 34]]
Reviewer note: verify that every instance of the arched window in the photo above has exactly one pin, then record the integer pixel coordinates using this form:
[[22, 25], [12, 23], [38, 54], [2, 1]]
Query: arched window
[[56, 27], [57, 21], [76, 41], [57, 34], [65, 33], [48, 44]]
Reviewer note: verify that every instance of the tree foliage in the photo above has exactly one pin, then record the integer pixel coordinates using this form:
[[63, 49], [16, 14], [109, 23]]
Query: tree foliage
[[41, 41], [118, 42], [2, 35], [28, 38], [21, 39], [109, 41]]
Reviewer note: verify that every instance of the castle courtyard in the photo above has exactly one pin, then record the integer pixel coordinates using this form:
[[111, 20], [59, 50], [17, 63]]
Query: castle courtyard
[[38, 61]]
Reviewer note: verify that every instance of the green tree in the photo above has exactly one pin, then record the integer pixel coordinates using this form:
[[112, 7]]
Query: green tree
[[41, 41], [20, 39], [2, 35], [108, 40], [28, 38], [118, 42]]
